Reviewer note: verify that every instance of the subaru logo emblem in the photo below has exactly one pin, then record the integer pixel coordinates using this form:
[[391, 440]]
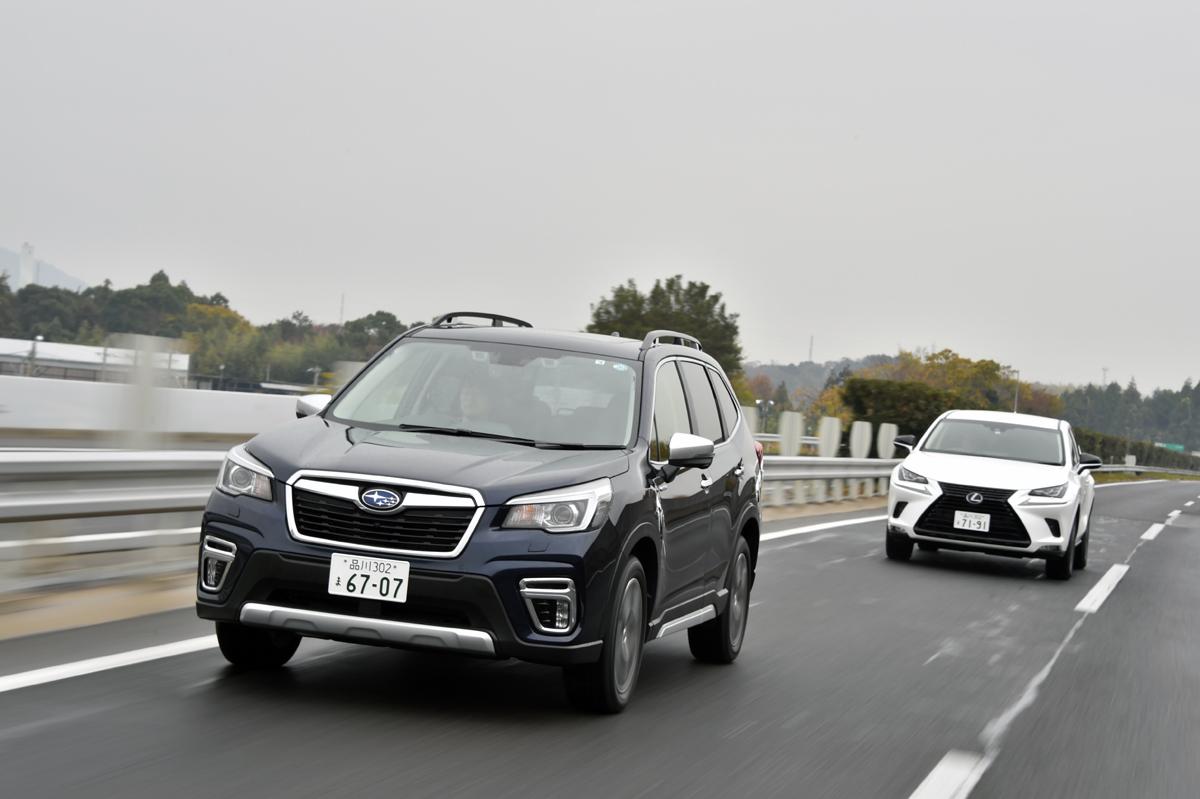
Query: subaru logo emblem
[[975, 498], [380, 499]]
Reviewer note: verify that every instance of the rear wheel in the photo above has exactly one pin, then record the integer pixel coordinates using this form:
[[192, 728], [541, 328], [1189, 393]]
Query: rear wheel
[[255, 647], [607, 685], [898, 547], [720, 640]]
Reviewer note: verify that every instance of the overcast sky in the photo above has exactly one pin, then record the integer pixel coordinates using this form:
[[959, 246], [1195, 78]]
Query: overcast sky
[[1016, 180]]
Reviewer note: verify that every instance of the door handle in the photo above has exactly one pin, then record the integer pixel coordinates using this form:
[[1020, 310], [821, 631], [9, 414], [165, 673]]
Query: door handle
[[704, 481]]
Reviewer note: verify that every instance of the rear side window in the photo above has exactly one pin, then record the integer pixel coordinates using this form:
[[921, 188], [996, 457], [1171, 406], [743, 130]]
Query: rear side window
[[729, 408], [706, 417], [670, 411]]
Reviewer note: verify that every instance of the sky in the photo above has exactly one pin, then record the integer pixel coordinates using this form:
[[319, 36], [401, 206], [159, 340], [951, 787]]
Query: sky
[[1017, 181]]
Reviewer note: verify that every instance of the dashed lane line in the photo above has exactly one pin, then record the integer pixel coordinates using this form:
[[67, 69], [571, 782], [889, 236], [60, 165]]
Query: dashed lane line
[[1100, 591], [1152, 532]]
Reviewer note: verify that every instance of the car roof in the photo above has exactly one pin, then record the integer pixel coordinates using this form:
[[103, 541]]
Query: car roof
[[1027, 419]]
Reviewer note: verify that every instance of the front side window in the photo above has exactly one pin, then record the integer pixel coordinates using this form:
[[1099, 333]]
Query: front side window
[[546, 396], [986, 439], [670, 412]]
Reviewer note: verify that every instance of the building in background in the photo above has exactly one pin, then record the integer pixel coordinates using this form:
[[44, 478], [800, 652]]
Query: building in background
[[23, 269], [165, 360]]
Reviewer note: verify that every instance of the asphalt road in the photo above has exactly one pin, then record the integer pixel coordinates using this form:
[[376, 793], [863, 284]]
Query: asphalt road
[[859, 676]]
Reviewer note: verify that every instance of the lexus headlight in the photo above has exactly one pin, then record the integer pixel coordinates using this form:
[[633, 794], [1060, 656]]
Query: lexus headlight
[[911, 477], [1053, 492], [567, 510], [241, 473]]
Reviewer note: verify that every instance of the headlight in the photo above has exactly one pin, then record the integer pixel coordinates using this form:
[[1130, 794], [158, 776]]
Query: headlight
[[1054, 492], [241, 473], [567, 510], [911, 477]]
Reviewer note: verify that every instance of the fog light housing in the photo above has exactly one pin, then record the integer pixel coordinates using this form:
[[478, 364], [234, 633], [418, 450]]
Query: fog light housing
[[216, 556], [551, 602]]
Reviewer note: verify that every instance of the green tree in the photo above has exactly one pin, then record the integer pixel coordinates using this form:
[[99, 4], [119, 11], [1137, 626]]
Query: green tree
[[691, 308]]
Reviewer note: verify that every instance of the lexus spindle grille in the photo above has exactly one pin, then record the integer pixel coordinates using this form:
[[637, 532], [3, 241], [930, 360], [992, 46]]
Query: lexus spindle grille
[[1005, 527]]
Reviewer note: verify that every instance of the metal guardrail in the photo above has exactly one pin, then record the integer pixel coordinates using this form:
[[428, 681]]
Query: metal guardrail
[[46, 497]]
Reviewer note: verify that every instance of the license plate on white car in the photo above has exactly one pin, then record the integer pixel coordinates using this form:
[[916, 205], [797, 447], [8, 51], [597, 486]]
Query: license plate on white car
[[977, 522], [368, 578]]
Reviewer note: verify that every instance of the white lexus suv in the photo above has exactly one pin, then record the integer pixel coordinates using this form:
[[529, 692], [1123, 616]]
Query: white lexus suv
[[998, 483]]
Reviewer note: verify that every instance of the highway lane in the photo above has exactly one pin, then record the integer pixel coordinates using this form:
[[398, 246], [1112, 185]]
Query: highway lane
[[859, 675]]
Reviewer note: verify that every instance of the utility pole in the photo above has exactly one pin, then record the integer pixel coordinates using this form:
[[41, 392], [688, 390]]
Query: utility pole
[[1017, 393], [810, 348], [1104, 379], [342, 311]]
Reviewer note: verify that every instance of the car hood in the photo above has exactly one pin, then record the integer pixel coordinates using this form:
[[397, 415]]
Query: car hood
[[498, 470], [984, 472]]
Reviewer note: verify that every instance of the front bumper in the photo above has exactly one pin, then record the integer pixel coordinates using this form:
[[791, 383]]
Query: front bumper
[[1047, 525], [455, 612]]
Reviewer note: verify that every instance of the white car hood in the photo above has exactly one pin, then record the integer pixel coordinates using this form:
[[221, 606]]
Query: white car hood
[[984, 472]]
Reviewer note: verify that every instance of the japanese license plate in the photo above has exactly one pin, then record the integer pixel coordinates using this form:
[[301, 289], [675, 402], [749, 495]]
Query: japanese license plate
[[977, 522], [368, 578]]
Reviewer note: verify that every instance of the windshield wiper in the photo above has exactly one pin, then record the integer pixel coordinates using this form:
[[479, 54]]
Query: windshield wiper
[[461, 431], [560, 445]]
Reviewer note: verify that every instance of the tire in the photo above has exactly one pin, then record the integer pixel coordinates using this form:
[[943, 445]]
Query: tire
[[720, 640], [1081, 549], [607, 685], [255, 647], [898, 547], [926, 547], [1058, 567]]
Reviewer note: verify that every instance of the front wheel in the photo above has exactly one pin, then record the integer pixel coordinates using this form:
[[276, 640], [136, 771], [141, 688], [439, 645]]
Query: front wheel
[[1081, 549], [607, 685], [255, 647], [1058, 567], [898, 547], [719, 640]]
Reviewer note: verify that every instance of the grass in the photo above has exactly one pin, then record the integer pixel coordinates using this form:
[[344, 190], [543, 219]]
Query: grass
[[1121, 477]]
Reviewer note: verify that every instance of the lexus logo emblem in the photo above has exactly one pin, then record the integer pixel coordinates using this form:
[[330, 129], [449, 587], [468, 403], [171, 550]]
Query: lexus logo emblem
[[975, 498]]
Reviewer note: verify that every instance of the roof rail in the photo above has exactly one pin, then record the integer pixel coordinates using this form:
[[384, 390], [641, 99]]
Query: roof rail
[[654, 337], [447, 319]]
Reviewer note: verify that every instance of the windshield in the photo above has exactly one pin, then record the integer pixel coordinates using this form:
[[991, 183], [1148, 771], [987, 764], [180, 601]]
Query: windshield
[[545, 396], [996, 440]]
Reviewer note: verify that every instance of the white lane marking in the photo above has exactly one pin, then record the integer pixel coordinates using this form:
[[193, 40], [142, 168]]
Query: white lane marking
[[1131, 483], [26, 679], [1173, 514], [99, 537], [1189, 503], [1152, 532], [953, 777], [1100, 591], [813, 528]]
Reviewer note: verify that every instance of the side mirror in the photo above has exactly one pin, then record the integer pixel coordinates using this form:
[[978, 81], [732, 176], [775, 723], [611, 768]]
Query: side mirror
[[1088, 462], [689, 451], [908, 442], [311, 404]]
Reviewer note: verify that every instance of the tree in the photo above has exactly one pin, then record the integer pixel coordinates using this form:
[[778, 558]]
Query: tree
[[8, 309], [691, 308]]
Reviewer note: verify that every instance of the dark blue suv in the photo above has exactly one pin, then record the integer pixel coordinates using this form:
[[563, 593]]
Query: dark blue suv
[[500, 491]]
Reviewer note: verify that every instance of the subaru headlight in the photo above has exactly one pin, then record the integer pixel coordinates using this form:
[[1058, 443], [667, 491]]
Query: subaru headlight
[[567, 510], [911, 477], [1053, 492], [243, 474]]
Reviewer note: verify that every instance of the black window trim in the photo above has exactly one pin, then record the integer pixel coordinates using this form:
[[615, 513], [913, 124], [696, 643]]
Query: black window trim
[[687, 401]]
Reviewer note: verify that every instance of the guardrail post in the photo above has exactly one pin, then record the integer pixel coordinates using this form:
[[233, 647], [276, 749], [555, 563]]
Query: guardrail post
[[885, 449], [860, 445], [829, 437], [750, 414], [791, 429]]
